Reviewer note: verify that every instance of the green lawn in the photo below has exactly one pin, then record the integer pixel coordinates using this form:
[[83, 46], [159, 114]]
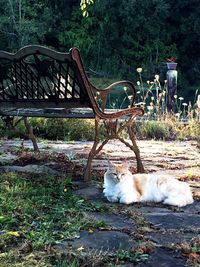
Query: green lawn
[[36, 212]]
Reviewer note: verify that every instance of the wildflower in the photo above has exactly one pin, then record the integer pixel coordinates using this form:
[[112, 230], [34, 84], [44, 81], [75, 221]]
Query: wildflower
[[152, 98], [130, 97], [150, 108], [157, 77], [139, 70], [148, 82], [80, 248], [165, 81], [125, 88], [184, 104], [138, 92], [198, 101], [180, 98], [138, 82], [175, 96]]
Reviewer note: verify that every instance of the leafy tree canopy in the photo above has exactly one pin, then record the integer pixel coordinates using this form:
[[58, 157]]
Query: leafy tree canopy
[[115, 37]]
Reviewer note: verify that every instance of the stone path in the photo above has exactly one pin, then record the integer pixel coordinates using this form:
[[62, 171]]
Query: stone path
[[160, 229], [169, 235]]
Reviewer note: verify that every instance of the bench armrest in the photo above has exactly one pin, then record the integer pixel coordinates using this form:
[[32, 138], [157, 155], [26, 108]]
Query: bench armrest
[[102, 96], [112, 97]]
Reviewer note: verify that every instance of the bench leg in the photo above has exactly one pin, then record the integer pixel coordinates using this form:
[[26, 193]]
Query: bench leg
[[134, 148], [112, 135], [94, 151], [30, 134], [87, 172]]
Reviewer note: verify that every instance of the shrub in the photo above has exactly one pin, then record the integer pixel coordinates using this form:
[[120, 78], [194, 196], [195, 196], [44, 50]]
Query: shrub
[[54, 129], [191, 130], [79, 129], [10, 132], [152, 129], [64, 129]]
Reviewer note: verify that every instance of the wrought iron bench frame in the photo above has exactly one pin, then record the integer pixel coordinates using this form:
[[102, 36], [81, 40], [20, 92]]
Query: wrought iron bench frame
[[40, 82]]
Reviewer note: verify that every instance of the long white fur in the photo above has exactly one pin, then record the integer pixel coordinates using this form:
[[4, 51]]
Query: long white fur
[[124, 187]]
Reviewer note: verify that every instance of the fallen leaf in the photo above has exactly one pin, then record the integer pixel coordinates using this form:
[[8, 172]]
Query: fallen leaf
[[90, 231], [193, 256], [13, 233]]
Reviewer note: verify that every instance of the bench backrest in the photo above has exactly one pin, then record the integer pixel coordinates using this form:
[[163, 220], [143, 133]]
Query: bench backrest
[[39, 77]]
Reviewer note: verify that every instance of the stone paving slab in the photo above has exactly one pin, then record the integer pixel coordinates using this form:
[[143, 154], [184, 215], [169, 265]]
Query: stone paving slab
[[116, 222], [170, 238], [104, 241], [91, 193], [31, 168], [164, 258], [175, 221]]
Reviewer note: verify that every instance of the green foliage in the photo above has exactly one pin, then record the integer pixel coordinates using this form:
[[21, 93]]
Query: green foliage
[[39, 210], [168, 130], [80, 130], [132, 256], [68, 129], [23, 23], [153, 129], [185, 131], [54, 129], [116, 37]]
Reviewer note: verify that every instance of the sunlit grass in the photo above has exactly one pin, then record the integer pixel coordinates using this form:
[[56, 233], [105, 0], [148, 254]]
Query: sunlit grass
[[39, 211]]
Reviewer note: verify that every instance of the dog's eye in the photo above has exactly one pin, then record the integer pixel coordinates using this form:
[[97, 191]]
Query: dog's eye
[[114, 174], [123, 174]]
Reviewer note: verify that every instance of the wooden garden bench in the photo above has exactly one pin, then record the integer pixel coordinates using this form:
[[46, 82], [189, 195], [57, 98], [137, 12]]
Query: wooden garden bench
[[40, 82]]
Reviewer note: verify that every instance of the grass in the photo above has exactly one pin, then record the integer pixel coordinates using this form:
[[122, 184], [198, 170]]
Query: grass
[[133, 256], [36, 212], [169, 129], [39, 211]]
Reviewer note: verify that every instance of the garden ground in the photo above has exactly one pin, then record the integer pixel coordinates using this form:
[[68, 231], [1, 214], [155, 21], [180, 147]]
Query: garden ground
[[107, 234]]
